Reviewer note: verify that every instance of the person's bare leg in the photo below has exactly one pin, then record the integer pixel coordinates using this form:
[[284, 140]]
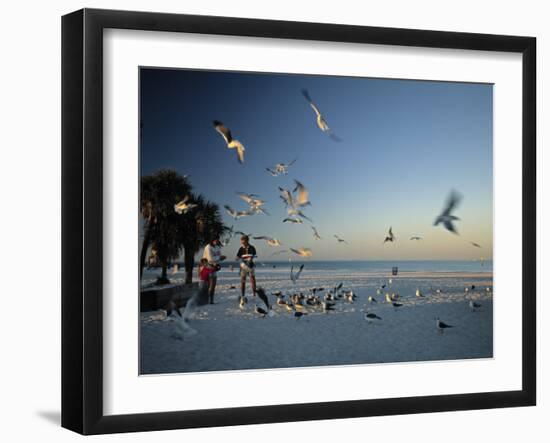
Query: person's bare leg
[[212, 290], [253, 283], [243, 285]]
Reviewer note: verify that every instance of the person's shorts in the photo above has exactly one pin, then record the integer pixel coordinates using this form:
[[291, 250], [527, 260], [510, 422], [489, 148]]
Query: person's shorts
[[246, 271]]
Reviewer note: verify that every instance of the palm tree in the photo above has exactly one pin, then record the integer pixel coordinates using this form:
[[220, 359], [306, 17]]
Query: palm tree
[[197, 229], [158, 194]]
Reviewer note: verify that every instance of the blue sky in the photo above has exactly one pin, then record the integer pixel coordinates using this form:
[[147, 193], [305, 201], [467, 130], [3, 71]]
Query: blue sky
[[405, 145]]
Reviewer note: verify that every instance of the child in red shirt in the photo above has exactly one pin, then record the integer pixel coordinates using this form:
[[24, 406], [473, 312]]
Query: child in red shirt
[[205, 271]]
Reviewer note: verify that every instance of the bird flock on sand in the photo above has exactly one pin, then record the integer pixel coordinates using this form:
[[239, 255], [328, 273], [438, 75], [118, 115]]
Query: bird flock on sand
[[296, 200], [318, 300]]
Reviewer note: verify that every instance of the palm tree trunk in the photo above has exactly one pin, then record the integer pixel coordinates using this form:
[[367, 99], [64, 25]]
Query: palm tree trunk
[[144, 249], [189, 261]]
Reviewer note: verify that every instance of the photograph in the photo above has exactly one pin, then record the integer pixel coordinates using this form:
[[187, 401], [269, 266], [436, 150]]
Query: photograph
[[297, 220]]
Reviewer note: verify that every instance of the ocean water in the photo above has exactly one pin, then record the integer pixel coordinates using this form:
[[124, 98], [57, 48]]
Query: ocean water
[[377, 267]]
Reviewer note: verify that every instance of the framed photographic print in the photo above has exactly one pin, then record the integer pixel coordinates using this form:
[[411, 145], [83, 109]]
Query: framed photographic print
[[281, 221]]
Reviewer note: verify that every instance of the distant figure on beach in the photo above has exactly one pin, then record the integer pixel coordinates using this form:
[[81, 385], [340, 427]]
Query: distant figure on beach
[[213, 255], [246, 255]]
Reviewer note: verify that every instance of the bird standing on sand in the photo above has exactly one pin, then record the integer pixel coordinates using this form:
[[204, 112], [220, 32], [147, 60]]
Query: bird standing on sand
[[260, 311], [418, 293], [474, 305], [263, 297], [371, 299], [370, 317], [321, 122], [446, 218], [242, 302], [441, 326], [229, 140]]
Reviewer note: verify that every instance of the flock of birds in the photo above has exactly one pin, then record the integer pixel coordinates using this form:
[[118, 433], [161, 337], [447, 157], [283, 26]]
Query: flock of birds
[[325, 300], [297, 200]]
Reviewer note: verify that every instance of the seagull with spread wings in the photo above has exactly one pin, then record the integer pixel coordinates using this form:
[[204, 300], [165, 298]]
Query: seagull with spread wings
[[446, 218], [183, 207], [236, 214], [321, 122], [280, 168], [390, 237], [315, 233], [270, 241], [294, 276], [255, 204], [229, 140], [302, 252], [340, 240], [416, 237]]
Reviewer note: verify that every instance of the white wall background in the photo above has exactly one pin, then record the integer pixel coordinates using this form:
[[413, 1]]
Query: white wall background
[[30, 187]]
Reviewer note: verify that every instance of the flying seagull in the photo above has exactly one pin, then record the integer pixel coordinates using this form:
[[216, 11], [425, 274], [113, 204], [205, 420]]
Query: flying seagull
[[270, 241], [294, 276], [183, 207], [390, 237], [302, 252], [236, 214], [315, 233], [292, 220], [255, 204], [446, 218], [416, 237], [477, 245], [231, 142], [340, 240], [280, 168], [321, 122]]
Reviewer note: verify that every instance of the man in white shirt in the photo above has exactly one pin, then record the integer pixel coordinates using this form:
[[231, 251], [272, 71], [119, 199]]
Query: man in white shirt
[[213, 253]]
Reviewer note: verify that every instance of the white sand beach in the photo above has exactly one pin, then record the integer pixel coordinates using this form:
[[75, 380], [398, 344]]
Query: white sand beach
[[230, 338]]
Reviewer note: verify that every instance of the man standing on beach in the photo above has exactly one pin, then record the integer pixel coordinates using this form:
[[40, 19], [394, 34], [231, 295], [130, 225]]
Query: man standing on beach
[[213, 253], [246, 256]]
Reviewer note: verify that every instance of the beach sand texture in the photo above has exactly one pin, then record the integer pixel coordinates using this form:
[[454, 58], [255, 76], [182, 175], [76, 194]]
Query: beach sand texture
[[229, 338]]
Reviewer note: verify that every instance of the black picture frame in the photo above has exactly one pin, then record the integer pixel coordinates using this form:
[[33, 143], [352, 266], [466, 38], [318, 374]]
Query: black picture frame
[[82, 218]]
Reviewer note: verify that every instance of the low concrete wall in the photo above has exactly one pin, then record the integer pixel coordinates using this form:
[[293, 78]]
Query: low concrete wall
[[156, 297]]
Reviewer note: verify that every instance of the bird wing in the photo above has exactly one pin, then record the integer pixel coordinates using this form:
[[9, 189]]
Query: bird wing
[[236, 144], [230, 210], [452, 202], [261, 237], [225, 132], [449, 226], [302, 197]]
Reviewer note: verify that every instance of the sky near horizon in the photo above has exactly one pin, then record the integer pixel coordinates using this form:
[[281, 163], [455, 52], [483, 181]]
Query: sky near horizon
[[405, 145]]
